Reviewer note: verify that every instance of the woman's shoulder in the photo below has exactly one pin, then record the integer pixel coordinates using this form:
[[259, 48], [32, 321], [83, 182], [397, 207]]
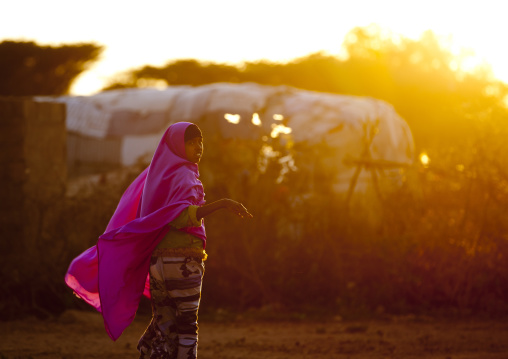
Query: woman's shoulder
[[185, 178], [185, 172]]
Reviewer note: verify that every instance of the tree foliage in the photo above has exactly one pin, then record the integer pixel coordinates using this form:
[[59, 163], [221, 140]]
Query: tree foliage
[[27, 69]]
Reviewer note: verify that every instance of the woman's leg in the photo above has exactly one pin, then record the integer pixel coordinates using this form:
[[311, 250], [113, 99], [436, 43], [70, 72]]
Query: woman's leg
[[160, 339], [175, 287], [186, 293], [183, 282]]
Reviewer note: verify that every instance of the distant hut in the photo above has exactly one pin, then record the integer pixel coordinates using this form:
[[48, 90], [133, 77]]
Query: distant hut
[[119, 128]]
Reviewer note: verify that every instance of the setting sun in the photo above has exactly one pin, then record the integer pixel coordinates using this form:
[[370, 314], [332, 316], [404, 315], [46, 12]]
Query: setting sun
[[158, 31]]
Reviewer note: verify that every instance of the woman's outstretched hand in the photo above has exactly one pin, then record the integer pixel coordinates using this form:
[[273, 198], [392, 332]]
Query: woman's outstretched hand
[[236, 208], [232, 206]]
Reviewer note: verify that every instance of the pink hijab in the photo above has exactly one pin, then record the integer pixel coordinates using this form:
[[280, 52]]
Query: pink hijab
[[113, 275]]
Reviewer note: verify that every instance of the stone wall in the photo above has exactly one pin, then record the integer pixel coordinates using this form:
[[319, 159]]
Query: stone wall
[[33, 176]]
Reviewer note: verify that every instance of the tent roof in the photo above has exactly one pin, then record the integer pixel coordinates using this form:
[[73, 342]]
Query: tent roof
[[312, 116]]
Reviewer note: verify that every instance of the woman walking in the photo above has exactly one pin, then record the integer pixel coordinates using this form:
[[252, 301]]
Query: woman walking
[[158, 229]]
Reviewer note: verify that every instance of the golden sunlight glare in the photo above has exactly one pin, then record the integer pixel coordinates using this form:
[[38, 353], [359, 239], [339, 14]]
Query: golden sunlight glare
[[424, 159], [277, 129], [266, 153], [232, 118], [278, 117], [255, 119]]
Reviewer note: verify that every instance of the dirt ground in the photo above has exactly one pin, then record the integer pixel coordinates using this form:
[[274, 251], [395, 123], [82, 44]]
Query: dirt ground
[[81, 335]]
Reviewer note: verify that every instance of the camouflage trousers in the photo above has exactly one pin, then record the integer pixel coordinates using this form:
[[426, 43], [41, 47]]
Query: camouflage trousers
[[175, 288]]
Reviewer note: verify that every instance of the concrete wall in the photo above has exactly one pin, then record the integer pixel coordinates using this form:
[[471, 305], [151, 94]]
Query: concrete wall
[[33, 173], [89, 155]]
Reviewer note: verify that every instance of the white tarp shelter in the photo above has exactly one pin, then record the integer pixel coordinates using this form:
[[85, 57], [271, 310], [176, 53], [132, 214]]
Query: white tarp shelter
[[119, 127]]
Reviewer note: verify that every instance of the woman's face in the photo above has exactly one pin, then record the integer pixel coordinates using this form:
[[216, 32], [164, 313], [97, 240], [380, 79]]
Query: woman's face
[[194, 149]]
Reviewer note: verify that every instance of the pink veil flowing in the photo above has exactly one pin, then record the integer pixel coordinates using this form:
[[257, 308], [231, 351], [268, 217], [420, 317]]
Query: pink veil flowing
[[113, 275]]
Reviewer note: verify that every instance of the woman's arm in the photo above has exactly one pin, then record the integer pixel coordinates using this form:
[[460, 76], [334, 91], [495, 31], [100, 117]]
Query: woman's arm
[[232, 206]]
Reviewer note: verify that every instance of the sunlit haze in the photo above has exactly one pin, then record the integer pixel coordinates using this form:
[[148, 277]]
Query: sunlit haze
[[154, 32]]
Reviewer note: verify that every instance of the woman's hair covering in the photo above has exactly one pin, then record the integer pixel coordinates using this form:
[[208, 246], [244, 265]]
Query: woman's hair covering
[[113, 275], [191, 132]]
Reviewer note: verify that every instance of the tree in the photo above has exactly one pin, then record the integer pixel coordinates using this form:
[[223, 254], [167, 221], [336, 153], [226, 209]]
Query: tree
[[180, 72], [27, 69]]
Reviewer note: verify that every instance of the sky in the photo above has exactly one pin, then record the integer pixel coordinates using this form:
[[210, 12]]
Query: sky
[[153, 32]]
